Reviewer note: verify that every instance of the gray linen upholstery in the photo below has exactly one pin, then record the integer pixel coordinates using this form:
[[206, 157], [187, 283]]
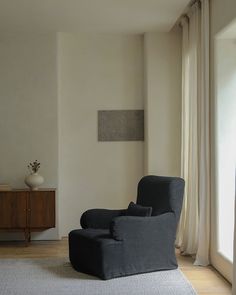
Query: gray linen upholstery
[[99, 218], [112, 244], [138, 210]]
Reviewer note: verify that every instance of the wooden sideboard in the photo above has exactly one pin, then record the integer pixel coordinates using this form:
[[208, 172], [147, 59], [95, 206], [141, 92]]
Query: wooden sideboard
[[27, 211]]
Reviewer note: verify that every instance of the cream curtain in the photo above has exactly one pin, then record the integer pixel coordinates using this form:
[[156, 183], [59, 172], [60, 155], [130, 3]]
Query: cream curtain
[[194, 228]]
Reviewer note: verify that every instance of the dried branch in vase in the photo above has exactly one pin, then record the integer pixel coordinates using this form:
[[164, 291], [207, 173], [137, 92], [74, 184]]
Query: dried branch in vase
[[34, 166]]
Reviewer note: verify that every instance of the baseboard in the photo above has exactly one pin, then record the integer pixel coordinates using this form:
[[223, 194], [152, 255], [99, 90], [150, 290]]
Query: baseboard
[[47, 235]]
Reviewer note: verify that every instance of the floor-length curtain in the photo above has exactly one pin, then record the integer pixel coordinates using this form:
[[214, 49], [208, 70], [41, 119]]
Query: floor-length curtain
[[184, 127], [194, 228]]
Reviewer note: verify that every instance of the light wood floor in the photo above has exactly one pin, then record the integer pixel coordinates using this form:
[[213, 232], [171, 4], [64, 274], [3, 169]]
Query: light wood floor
[[205, 280]]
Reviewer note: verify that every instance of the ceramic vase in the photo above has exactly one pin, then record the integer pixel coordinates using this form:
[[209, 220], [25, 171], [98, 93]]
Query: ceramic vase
[[34, 180]]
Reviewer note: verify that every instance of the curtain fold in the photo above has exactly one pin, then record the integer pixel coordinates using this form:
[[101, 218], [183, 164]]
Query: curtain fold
[[202, 257], [185, 125], [194, 228]]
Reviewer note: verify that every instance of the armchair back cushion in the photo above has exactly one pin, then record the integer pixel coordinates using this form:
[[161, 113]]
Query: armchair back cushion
[[163, 194]]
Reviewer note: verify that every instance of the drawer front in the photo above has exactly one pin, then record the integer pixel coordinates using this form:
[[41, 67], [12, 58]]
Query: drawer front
[[13, 212], [42, 209]]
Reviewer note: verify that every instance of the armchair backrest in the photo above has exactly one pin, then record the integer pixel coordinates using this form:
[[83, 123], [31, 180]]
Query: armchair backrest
[[163, 194]]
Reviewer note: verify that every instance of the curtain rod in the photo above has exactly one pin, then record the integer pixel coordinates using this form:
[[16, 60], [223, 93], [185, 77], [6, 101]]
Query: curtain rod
[[185, 13]]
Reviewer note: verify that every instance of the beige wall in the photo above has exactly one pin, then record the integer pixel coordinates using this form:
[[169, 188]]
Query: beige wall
[[56, 84], [162, 103], [96, 72], [28, 110]]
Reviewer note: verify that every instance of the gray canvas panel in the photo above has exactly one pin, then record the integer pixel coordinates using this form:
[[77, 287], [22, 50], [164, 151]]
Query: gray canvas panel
[[121, 125]]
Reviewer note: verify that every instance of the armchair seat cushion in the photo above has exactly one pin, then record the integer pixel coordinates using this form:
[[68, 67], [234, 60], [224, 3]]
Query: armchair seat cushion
[[95, 252], [90, 234]]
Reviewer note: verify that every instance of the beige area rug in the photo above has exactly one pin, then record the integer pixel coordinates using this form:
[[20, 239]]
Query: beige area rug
[[57, 277]]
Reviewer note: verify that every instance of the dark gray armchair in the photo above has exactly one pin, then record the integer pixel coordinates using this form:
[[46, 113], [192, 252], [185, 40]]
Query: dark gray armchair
[[113, 244]]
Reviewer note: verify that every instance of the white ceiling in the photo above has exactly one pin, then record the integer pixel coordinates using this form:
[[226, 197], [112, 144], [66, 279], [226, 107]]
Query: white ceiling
[[126, 16]]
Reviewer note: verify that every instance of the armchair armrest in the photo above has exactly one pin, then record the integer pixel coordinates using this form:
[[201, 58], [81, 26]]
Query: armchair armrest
[[99, 218], [140, 229]]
